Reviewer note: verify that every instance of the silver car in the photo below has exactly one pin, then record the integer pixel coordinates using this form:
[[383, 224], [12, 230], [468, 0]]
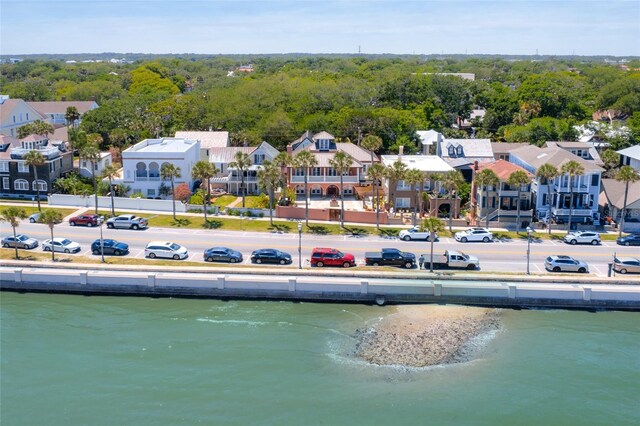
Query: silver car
[[63, 245], [474, 234], [582, 237], [563, 263], [20, 241], [626, 264]]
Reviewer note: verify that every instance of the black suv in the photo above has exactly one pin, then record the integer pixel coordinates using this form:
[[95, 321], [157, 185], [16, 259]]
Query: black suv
[[271, 256]]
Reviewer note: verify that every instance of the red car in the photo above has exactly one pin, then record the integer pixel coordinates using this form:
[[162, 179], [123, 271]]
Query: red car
[[86, 220], [331, 257]]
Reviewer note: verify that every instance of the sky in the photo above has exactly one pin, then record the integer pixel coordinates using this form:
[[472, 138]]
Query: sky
[[509, 27]]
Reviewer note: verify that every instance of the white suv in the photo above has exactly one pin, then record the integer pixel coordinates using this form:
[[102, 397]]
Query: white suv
[[165, 249], [582, 237], [415, 234], [561, 263], [474, 234]]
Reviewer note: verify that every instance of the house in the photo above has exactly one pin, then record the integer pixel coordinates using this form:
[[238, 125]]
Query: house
[[55, 111], [630, 157], [323, 178], [403, 195], [429, 140], [15, 113], [583, 150], [501, 150], [612, 203], [104, 161], [501, 202], [143, 161], [18, 179], [586, 188], [208, 140], [461, 154]]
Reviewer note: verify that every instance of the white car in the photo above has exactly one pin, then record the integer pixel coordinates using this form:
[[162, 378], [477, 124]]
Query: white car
[[166, 250], [474, 234], [20, 241], [583, 237], [63, 245], [415, 234]]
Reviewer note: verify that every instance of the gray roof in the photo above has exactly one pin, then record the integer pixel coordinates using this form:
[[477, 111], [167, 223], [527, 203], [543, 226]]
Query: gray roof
[[632, 152], [506, 147], [471, 148], [207, 139], [225, 154], [357, 152], [614, 190], [60, 107], [268, 149], [536, 157]]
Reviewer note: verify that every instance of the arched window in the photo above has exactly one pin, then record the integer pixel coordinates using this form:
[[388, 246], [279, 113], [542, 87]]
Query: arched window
[[141, 170], [316, 190], [41, 184], [299, 189], [154, 171], [20, 185]]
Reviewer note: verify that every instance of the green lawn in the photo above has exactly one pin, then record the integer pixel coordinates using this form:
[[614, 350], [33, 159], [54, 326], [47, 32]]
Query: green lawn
[[223, 201], [31, 210], [255, 202]]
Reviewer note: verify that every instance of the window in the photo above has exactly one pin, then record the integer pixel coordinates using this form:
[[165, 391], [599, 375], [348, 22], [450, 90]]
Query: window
[[154, 171], [23, 168], [403, 202], [544, 199], [452, 151], [4, 166], [459, 150], [348, 190], [27, 116], [316, 171], [258, 158], [151, 192], [299, 189], [595, 180], [141, 170], [21, 185], [331, 172], [323, 144], [5, 183], [42, 185], [298, 171]]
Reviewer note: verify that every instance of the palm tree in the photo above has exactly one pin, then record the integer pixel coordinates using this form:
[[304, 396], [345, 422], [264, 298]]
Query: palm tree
[[484, 179], [414, 177], [111, 172], [90, 152], [518, 179], [341, 163], [626, 174], [72, 115], [376, 173], [241, 163], [284, 160], [305, 160], [372, 143], [171, 172], [51, 218], [35, 159], [573, 169], [270, 178], [547, 173], [13, 215], [205, 171], [452, 180], [433, 225], [37, 127], [394, 173]]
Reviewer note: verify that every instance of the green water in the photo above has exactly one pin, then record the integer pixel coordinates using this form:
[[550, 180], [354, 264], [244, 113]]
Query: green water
[[72, 360]]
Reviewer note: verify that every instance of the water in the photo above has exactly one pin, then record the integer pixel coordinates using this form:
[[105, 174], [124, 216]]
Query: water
[[73, 360]]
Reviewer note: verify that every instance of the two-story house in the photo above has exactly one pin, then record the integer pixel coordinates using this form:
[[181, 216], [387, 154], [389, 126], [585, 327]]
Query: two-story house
[[18, 179], [586, 188], [630, 157], [583, 150], [462, 154], [323, 179], [15, 113], [55, 111], [104, 160], [143, 161]]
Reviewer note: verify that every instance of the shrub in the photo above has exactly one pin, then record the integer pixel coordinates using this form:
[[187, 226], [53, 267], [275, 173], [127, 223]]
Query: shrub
[[137, 194]]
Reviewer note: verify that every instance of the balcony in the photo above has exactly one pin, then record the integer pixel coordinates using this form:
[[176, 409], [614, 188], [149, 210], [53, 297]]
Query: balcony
[[577, 189], [327, 179], [48, 153], [575, 212]]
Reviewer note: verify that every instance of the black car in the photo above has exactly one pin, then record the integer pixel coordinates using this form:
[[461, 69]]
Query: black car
[[271, 256], [629, 240], [222, 254], [110, 247]]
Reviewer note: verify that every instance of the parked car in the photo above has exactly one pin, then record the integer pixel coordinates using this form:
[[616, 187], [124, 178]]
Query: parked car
[[626, 264], [127, 221], [63, 245], [582, 237], [629, 240], [390, 257], [415, 234], [20, 241], [109, 246], [270, 256], [561, 263], [452, 259], [222, 254], [165, 250], [86, 220], [331, 257], [474, 234], [34, 217]]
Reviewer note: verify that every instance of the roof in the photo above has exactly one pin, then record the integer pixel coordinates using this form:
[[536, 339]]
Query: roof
[[614, 191], [429, 137], [569, 144], [424, 163], [503, 169], [7, 142], [225, 155], [162, 145], [471, 148], [323, 135], [557, 157], [324, 159], [266, 147], [34, 138], [357, 152], [506, 147], [60, 134], [631, 152], [60, 107], [207, 139], [8, 105]]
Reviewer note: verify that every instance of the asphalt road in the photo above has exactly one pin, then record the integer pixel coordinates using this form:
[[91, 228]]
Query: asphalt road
[[499, 256]]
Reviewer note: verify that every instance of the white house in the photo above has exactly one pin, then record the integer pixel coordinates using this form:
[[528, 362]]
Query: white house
[[208, 140], [429, 138], [221, 157], [142, 163], [100, 165], [630, 157]]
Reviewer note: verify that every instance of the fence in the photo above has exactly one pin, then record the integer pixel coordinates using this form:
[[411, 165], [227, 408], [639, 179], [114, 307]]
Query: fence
[[120, 203]]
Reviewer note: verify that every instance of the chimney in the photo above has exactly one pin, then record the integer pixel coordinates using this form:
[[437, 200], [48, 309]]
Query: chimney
[[475, 166], [289, 149], [400, 150]]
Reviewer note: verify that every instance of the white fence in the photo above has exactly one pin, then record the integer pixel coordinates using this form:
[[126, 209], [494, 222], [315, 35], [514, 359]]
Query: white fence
[[120, 203]]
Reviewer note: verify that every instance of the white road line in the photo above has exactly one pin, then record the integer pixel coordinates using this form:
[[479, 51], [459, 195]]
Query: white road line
[[537, 267], [247, 261], [599, 272], [140, 254]]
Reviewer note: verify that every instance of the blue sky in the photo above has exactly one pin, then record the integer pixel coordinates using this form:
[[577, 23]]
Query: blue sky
[[585, 27]]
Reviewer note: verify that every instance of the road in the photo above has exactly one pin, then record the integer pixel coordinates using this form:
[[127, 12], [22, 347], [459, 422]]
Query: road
[[507, 256]]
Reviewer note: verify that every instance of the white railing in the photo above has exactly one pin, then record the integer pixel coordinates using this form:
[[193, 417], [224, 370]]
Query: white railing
[[330, 179], [575, 212]]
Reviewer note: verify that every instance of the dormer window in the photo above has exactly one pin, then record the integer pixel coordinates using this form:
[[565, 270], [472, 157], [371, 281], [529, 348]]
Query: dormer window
[[323, 144], [452, 151], [459, 150]]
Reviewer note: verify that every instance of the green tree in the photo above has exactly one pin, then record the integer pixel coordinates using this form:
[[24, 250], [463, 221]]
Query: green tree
[[371, 143], [415, 178], [241, 162], [171, 172], [13, 215], [284, 160], [111, 172], [573, 169], [395, 173], [546, 174], [35, 159], [484, 179], [518, 179], [270, 178], [305, 160], [71, 115], [205, 171], [90, 152], [37, 127], [376, 173], [341, 163], [610, 160], [628, 175], [433, 225], [452, 180], [51, 218]]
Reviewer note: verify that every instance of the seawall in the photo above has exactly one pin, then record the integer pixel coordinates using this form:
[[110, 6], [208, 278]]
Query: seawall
[[287, 285]]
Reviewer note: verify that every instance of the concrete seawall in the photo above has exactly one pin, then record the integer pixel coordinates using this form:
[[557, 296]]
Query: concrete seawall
[[318, 287]]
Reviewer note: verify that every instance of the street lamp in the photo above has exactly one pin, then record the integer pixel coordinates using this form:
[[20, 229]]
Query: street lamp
[[529, 232], [299, 245]]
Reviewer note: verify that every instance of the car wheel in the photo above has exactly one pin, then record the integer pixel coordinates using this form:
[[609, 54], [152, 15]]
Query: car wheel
[[90, 224], [96, 252], [408, 265], [176, 257], [485, 240], [209, 259], [47, 248], [232, 260], [282, 262], [623, 271], [152, 255], [346, 264], [627, 244], [72, 223], [463, 239], [471, 267], [5, 245], [573, 242], [32, 220], [320, 264], [594, 242], [582, 270], [67, 251], [136, 227], [375, 264], [116, 252], [556, 269], [110, 225], [406, 238], [258, 261]]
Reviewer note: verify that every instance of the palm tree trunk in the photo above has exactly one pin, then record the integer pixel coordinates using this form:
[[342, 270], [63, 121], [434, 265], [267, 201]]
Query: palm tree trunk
[[242, 189], [420, 199], [306, 197], [486, 198], [35, 174], [113, 209], [624, 208], [518, 214], [207, 203], [204, 208], [173, 198], [549, 204], [450, 210], [271, 196], [377, 206], [53, 252], [570, 203], [95, 185], [431, 237], [15, 241], [341, 202]]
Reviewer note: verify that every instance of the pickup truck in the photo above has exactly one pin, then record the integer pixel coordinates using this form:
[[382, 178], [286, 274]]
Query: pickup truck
[[452, 259], [391, 257], [127, 221]]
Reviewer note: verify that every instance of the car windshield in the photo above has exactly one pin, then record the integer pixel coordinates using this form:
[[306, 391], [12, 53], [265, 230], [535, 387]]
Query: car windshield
[[22, 238], [339, 254], [65, 242], [174, 246]]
